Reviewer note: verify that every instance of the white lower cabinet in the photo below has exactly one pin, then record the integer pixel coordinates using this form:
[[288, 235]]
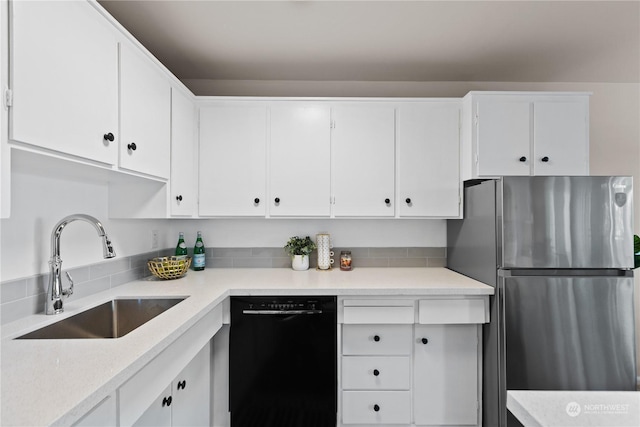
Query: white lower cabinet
[[411, 371], [174, 387], [445, 371], [185, 402]]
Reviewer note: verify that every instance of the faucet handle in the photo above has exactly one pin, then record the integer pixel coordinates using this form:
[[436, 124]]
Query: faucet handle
[[68, 292]]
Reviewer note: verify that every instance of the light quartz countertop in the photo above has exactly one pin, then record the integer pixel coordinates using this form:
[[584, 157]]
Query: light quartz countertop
[[575, 408], [55, 382]]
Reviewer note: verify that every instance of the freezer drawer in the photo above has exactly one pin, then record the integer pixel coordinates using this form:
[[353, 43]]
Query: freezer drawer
[[569, 333]]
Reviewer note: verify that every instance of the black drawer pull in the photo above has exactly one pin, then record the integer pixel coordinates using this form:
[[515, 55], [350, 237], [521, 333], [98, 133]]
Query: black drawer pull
[[376, 338], [376, 372], [424, 340], [179, 198], [132, 146], [523, 159], [166, 401], [109, 137], [182, 384], [376, 408]]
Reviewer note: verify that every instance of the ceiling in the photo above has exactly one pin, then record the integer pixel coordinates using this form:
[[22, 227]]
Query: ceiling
[[503, 41]]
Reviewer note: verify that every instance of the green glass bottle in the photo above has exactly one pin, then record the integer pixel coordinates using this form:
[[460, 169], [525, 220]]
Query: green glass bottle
[[199, 254], [181, 249]]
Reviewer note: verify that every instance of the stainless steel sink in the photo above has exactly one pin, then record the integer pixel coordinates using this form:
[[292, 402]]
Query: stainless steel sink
[[113, 319]]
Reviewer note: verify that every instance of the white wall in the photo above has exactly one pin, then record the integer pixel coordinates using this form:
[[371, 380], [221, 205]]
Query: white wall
[[40, 201], [233, 233]]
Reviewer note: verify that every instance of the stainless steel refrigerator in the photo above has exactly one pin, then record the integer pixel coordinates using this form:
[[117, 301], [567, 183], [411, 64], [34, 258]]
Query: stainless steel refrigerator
[[559, 252]]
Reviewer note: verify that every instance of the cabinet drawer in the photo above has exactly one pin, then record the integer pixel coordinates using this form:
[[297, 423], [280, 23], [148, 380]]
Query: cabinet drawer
[[372, 315], [376, 373], [376, 407], [376, 339], [453, 311]]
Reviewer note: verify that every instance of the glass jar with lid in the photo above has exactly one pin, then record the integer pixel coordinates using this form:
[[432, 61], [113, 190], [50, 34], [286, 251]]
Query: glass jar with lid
[[345, 260]]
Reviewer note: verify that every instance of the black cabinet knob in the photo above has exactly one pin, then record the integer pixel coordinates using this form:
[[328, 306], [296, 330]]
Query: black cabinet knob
[[424, 340], [376, 408], [277, 200], [376, 338], [132, 146], [376, 372], [387, 201], [256, 201], [179, 198], [523, 159], [109, 137], [166, 401], [545, 159], [182, 384], [408, 200]]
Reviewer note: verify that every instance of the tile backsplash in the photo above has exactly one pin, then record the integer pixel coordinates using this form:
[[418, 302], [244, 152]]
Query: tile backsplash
[[25, 296]]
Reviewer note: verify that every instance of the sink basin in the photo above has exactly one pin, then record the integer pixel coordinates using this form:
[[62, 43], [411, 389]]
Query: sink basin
[[113, 319]]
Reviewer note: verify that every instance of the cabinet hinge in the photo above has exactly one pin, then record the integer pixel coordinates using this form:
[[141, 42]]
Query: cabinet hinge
[[332, 124], [8, 98]]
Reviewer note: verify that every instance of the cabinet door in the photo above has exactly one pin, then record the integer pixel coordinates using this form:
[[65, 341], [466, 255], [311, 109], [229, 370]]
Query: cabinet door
[[561, 138], [362, 164], [445, 375], [183, 155], [159, 413], [145, 114], [64, 77], [428, 156], [191, 403], [300, 160], [503, 135], [233, 160]]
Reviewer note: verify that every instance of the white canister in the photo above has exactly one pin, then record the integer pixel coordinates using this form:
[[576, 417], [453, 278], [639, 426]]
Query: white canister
[[323, 241]]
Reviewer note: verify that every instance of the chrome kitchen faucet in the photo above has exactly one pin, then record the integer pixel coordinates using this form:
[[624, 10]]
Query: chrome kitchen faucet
[[55, 292]]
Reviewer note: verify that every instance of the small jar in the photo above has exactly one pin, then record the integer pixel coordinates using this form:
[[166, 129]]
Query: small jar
[[345, 260]]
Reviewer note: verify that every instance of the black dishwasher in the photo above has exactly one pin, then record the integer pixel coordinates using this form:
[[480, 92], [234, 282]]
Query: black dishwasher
[[282, 361]]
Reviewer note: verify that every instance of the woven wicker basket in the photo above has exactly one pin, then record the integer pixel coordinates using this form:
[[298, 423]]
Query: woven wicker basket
[[169, 267]]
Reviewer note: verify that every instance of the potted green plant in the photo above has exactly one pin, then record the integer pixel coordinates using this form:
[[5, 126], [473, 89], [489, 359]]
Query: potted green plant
[[299, 249]]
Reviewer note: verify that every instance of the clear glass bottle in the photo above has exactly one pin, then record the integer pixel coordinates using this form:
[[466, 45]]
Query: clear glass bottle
[[181, 248], [199, 253]]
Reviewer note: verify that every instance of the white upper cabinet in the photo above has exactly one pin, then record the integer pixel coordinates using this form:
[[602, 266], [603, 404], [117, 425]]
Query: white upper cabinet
[[145, 115], [233, 140], [64, 79], [428, 159], [560, 137], [183, 184], [503, 136], [299, 170], [362, 164], [525, 133]]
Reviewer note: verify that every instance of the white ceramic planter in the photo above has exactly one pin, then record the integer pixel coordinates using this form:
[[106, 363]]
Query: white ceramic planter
[[300, 262]]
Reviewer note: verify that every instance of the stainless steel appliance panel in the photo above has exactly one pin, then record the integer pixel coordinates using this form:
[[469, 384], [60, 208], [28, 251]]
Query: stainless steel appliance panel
[[471, 242], [569, 333], [566, 222]]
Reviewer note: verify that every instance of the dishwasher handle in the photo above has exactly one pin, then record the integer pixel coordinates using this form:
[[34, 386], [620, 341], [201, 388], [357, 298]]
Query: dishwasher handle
[[281, 312]]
